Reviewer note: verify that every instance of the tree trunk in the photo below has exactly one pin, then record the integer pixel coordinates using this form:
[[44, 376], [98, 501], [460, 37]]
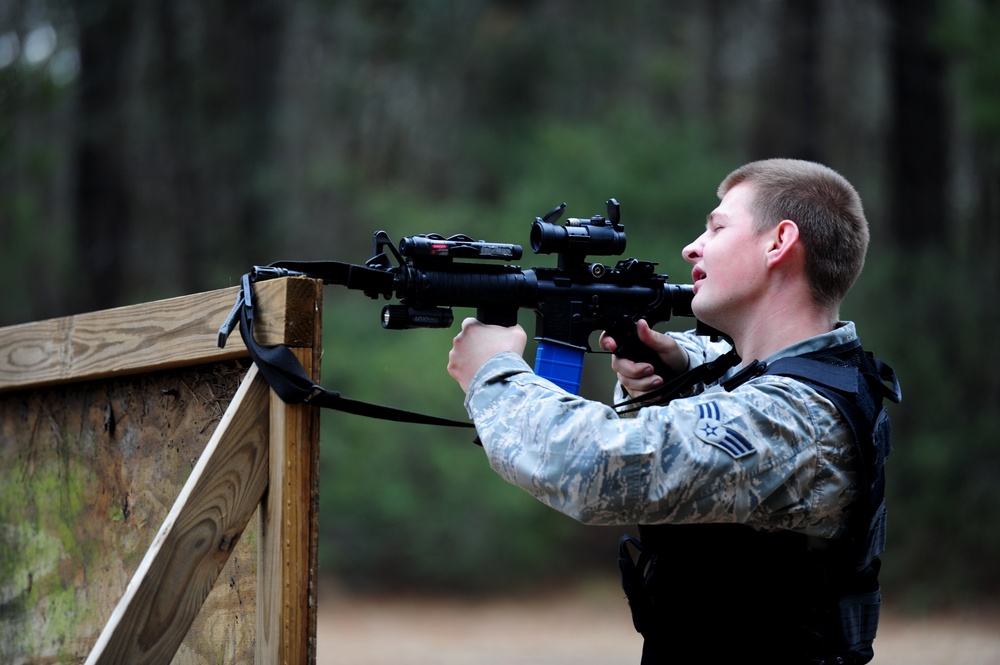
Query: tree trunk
[[789, 117], [918, 151], [101, 199]]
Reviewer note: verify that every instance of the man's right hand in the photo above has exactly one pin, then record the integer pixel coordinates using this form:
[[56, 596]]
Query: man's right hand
[[637, 378]]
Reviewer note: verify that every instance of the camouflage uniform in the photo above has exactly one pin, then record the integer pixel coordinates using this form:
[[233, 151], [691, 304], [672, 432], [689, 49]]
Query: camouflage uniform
[[772, 454]]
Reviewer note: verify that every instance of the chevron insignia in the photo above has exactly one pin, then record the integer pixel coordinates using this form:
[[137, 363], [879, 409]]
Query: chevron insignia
[[711, 430]]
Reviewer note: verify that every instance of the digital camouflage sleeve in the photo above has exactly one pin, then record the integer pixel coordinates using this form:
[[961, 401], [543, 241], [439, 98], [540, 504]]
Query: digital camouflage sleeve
[[773, 453]]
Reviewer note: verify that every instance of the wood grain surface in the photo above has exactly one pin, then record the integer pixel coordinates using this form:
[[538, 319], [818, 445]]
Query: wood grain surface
[[152, 336]]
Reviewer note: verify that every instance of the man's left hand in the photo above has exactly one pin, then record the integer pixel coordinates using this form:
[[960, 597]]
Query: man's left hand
[[477, 343]]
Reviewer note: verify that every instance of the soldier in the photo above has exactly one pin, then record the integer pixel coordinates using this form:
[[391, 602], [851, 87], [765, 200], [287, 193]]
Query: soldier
[[759, 497]]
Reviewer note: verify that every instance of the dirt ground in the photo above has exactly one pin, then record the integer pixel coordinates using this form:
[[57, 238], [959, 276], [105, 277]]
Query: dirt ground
[[584, 626]]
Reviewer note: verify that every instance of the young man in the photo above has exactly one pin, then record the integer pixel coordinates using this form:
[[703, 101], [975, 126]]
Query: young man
[[759, 498]]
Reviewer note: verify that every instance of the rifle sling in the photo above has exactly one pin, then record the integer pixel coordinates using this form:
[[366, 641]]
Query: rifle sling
[[353, 276], [286, 376], [681, 384]]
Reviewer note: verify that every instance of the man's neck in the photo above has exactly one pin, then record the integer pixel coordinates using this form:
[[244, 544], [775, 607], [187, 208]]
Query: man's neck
[[777, 325]]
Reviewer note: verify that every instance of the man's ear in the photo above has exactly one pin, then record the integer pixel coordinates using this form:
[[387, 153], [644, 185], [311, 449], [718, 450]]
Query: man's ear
[[785, 242]]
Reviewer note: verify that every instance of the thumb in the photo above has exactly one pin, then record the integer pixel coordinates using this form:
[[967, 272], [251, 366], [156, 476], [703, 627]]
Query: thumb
[[647, 335]]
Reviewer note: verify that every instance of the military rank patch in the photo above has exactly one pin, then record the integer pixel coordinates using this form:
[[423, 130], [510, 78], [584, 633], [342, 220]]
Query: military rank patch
[[711, 430]]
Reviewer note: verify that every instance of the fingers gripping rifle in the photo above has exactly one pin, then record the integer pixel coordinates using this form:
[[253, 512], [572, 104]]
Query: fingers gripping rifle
[[433, 274]]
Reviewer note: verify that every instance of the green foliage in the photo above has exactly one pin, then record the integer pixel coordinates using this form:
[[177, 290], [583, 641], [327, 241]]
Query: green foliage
[[32, 161], [419, 507], [416, 506], [663, 175], [926, 317], [971, 30]]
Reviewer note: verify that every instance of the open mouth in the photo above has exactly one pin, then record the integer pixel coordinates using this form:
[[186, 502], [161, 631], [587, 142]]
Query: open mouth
[[697, 274]]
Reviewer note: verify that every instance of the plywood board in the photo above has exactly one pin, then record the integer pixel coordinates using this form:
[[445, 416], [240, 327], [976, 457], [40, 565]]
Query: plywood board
[[87, 475], [196, 538]]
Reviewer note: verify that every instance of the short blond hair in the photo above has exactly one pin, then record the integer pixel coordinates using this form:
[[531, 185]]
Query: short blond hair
[[827, 210]]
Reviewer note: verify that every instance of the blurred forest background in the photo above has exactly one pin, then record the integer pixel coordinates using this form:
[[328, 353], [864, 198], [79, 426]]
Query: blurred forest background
[[153, 148]]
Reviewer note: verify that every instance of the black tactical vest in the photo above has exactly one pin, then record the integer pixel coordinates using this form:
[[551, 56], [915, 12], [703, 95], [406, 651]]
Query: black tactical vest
[[729, 593]]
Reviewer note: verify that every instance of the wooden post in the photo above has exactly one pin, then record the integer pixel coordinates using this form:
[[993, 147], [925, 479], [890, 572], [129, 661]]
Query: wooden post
[[287, 563]]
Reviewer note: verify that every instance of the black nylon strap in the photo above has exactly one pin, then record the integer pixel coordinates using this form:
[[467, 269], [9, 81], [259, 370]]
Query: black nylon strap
[[351, 275], [286, 376], [837, 377], [679, 385]]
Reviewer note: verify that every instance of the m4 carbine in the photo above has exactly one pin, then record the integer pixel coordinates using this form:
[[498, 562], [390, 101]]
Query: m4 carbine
[[429, 275]]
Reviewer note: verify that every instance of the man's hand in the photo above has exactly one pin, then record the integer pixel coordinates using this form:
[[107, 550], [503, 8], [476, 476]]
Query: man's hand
[[477, 343], [638, 378]]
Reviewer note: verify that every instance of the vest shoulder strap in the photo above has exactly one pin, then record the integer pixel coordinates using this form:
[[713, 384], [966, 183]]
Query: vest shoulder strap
[[839, 377]]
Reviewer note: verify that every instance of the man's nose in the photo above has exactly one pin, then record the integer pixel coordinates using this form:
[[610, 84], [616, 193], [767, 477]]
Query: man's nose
[[692, 252]]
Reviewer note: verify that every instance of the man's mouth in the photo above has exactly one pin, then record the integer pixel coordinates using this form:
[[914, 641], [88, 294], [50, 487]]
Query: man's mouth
[[697, 274]]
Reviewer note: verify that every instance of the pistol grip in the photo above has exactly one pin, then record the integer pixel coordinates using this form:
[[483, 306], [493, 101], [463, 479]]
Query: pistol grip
[[631, 347]]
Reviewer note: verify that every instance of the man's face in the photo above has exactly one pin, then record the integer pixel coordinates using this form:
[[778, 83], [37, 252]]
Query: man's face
[[728, 260]]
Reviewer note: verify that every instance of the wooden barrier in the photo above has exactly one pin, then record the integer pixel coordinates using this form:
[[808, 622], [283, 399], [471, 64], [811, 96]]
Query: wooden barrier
[[134, 455]]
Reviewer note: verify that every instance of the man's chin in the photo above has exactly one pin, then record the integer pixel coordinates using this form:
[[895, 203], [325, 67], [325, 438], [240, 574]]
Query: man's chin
[[701, 311], [709, 324]]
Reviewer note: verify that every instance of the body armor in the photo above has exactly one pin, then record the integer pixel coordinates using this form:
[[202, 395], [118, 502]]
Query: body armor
[[727, 591]]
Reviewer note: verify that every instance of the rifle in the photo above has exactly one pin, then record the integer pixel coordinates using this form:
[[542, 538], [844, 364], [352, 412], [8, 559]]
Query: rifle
[[433, 274]]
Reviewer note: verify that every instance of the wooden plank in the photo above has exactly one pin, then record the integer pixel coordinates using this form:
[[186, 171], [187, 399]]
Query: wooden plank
[[289, 527], [169, 333], [197, 537]]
